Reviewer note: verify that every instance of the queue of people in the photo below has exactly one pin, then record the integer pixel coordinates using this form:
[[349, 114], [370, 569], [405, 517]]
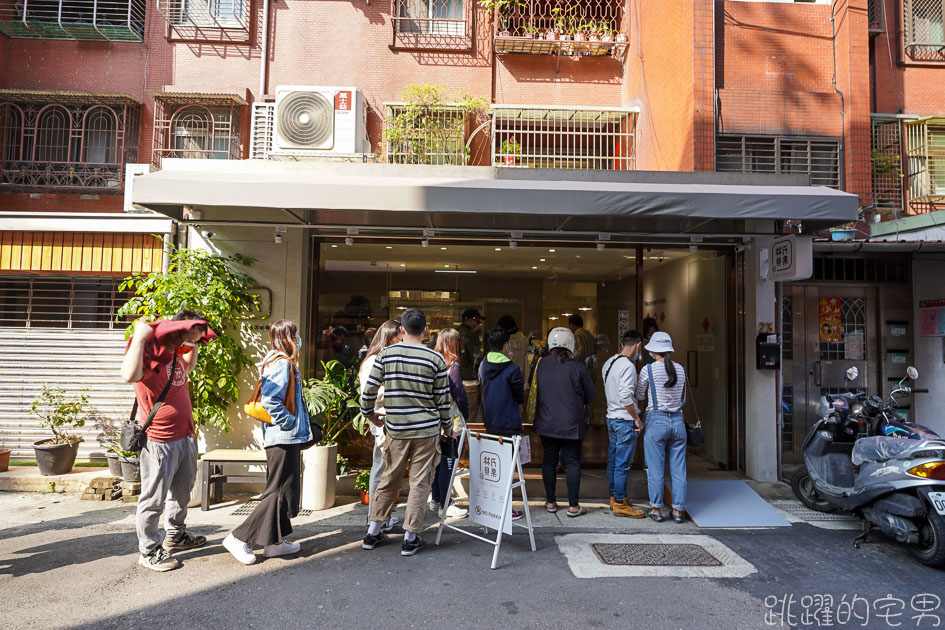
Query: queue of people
[[415, 398]]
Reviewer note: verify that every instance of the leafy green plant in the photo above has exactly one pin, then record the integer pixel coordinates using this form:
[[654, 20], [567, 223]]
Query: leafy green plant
[[333, 401], [430, 127], [59, 412], [342, 466], [511, 146], [363, 481], [211, 284], [883, 162], [502, 9]]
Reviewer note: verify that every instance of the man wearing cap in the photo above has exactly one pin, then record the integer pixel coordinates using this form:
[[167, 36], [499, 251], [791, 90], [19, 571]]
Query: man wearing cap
[[469, 357], [159, 352]]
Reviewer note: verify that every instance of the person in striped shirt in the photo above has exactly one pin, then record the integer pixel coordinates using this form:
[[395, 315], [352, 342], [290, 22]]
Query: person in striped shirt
[[417, 401]]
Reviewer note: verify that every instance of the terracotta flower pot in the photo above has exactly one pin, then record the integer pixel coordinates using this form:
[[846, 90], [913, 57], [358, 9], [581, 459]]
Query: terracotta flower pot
[[365, 497], [55, 459], [5, 459]]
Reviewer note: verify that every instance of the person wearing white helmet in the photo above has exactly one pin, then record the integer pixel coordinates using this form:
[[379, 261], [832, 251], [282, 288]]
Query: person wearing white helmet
[[564, 389], [663, 383]]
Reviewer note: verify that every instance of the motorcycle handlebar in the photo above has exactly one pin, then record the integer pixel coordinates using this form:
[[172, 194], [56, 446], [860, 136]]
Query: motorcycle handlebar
[[923, 390]]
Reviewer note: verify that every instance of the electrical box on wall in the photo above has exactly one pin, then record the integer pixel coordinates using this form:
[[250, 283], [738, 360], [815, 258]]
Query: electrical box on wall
[[767, 352]]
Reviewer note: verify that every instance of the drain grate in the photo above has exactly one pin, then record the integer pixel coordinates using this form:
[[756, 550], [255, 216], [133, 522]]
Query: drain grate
[[813, 516], [654, 555], [249, 506]]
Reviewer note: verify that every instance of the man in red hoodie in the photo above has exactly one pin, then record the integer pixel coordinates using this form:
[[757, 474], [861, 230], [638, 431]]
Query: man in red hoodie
[[159, 352]]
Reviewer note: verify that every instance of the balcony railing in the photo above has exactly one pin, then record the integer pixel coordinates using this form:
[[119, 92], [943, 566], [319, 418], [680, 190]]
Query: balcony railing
[[886, 155], [66, 140], [925, 148], [196, 126], [432, 24], [111, 20], [561, 27], [437, 135], [923, 32], [207, 20], [534, 136], [818, 158]]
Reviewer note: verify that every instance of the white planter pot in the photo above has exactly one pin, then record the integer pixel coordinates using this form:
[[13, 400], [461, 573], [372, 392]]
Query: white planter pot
[[319, 465]]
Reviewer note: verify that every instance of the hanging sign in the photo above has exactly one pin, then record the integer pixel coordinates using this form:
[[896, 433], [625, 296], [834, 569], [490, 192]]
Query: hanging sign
[[830, 320], [791, 257], [490, 466]]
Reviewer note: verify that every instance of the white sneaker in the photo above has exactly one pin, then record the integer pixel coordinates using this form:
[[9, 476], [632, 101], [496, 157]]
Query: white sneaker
[[285, 548], [390, 524], [240, 550], [454, 511], [435, 506]]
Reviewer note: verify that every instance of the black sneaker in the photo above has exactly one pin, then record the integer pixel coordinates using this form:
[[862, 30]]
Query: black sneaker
[[184, 540], [370, 542], [411, 547], [158, 560]]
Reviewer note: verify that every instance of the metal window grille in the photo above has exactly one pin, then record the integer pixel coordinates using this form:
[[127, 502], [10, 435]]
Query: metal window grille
[[562, 27], [196, 127], [110, 20], [923, 30], [73, 143], [561, 137], [886, 166], [49, 302], [889, 269], [925, 147], [875, 14], [429, 17], [852, 322], [215, 20], [437, 135], [818, 158]]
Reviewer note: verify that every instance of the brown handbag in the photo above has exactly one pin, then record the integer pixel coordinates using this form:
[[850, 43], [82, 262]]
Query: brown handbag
[[253, 407]]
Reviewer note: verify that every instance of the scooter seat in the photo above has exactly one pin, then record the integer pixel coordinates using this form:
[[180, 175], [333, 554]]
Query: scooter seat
[[880, 448]]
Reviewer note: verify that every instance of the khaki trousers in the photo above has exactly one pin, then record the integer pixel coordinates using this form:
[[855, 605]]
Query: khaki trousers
[[424, 455]]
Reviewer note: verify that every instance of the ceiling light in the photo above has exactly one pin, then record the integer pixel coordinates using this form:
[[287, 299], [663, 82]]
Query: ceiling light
[[349, 241], [403, 265], [389, 247], [447, 266], [552, 251], [541, 260], [534, 267], [454, 271], [584, 308], [567, 314], [333, 245], [552, 317], [443, 248], [498, 249]]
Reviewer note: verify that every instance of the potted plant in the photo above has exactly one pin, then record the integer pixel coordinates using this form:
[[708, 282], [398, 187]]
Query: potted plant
[[112, 457], [621, 38], [362, 483], [59, 412], [607, 31], [333, 402], [501, 9], [511, 150], [579, 32], [130, 468], [593, 31]]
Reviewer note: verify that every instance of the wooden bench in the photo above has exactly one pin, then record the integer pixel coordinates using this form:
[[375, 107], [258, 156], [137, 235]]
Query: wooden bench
[[212, 477]]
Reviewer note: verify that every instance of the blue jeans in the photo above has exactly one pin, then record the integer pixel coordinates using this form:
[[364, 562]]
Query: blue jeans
[[665, 436], [623, 444], [441, 480]]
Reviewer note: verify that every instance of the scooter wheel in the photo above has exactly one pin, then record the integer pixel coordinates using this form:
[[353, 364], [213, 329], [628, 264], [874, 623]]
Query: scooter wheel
[[930, 550], [803, 487]]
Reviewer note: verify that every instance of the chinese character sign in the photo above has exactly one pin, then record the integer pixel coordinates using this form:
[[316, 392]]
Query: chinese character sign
[[830, 330], [490, 471]]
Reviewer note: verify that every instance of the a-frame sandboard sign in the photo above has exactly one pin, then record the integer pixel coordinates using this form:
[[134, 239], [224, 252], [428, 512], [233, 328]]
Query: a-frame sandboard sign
[[494, 462]]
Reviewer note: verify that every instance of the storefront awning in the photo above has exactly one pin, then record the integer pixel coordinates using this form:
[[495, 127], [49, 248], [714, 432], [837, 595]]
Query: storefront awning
[[269, 191]]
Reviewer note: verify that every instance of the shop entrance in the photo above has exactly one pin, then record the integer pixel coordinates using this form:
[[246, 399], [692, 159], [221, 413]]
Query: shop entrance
[[615, 288], [825, 331]]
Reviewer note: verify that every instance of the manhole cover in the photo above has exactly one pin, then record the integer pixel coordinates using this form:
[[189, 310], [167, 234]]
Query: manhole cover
[[249, 506], [655, 555], [806, 514]]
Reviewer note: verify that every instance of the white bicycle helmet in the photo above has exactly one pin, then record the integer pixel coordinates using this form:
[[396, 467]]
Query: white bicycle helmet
[[561, 338]]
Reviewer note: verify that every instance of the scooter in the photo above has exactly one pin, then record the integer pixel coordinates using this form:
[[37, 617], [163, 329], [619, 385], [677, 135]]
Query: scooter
[[895, 484]]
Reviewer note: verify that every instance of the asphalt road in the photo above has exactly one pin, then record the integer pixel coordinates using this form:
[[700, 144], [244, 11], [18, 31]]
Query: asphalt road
[[77, 569]]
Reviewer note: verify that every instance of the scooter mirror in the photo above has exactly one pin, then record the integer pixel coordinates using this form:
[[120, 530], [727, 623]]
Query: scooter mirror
[[912, 372], [852, 373]]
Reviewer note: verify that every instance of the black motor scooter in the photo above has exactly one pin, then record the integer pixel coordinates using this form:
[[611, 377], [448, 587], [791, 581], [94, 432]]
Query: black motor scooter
[[895, 484]]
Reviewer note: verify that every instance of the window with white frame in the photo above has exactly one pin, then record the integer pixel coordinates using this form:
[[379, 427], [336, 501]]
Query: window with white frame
[[925, 145], [563, 137], [817, 157], [209, 13]]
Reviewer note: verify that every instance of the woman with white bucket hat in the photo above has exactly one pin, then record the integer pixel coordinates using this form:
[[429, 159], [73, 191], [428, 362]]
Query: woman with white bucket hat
[[663, 383]]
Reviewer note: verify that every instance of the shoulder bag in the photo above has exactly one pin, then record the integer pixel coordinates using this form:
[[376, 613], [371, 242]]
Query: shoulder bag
[[694, 434], [253, 407], [133, 435]]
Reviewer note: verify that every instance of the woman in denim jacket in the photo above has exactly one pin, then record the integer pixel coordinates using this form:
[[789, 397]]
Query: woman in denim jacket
[[268, 525], [663, 382]]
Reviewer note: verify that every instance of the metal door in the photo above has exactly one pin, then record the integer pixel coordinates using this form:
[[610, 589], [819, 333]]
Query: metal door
[[825, 330]]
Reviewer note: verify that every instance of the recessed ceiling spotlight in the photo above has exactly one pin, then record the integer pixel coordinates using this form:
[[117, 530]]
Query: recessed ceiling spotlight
[[333, 245], [389, 247], [552, 251], [541, 260], [443, 248], [403, 264], [534, 267], [498, 249]]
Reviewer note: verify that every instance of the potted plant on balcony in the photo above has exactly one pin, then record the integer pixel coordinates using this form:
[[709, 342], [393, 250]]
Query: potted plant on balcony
[[607, 31], [510, 150], [501, 9], [59, 412], [593, 30], [620, 37], [362, 483], [333, 402]]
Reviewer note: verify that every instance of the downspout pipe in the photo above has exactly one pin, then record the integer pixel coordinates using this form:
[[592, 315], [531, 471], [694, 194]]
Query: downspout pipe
[[833, 82], [264, 60]]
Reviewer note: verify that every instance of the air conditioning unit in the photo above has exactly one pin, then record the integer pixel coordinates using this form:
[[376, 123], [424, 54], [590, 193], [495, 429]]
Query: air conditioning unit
[[319, 121]]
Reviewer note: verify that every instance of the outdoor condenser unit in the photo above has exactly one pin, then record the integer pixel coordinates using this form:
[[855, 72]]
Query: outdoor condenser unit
[[313, 121]]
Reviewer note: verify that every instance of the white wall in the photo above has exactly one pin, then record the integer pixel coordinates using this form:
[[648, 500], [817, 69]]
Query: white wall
[[761, 400], [927, 272], [282, 268]]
